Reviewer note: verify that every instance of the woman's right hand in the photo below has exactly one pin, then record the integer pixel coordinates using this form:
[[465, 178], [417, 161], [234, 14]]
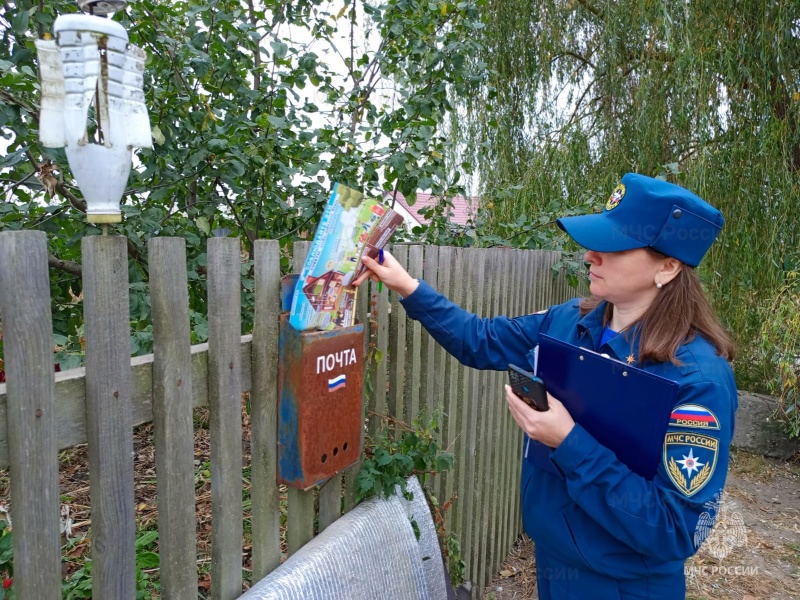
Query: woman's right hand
[[390, 272]]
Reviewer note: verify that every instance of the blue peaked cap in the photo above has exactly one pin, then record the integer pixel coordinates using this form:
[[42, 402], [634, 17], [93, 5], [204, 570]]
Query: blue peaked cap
[[645, 212]]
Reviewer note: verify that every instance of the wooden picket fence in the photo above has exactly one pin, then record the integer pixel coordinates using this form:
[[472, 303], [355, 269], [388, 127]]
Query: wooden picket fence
[[100, 404]]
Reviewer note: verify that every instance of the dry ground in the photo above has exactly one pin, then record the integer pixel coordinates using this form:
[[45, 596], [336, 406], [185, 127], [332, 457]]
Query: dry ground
[[762, 511]]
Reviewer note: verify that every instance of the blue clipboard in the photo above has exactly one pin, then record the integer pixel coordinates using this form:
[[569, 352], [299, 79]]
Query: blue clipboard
[[625, 408]]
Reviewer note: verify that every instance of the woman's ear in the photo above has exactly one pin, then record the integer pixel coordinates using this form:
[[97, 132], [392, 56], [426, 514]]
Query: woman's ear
[[669, 270]]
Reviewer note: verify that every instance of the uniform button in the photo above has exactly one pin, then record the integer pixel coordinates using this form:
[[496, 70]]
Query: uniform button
[[676, 213]]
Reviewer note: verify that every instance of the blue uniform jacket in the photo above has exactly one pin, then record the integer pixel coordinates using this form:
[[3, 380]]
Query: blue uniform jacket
[[595, 513]]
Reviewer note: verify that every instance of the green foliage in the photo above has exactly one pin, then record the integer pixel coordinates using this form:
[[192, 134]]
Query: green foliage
[[398, 452], [147, 585], [395, 454], [456, 566], [449, 543], [703, 93], [6, 562], [255, 108], [79, 584], [780, 344]]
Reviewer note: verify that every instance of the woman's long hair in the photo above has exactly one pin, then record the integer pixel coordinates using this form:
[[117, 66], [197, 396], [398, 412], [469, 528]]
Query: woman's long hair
[[679, 312]]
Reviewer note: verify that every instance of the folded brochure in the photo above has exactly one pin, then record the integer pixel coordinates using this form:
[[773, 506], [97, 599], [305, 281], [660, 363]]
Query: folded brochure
[[351, 225]]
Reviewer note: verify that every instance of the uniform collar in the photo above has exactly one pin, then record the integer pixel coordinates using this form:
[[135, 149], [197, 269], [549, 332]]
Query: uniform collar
[[592, 325], [623, 346]]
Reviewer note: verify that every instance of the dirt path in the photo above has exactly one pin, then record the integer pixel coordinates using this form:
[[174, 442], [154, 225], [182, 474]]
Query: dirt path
[[752, 554]]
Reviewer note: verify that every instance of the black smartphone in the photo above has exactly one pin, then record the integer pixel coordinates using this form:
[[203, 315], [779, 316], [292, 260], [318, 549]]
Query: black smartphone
[[528, 387]]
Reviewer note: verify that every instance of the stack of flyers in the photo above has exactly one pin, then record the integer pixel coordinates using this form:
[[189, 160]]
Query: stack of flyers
[[351, 226]]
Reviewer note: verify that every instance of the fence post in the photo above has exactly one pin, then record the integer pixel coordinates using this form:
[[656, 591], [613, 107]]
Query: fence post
[[172, 418], [264, 494], [225, 402], [109, 424], [28, 332], [300, 503]]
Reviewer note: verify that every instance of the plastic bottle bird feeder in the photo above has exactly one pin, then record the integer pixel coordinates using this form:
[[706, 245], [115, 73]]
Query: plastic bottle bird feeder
[[90, 61]]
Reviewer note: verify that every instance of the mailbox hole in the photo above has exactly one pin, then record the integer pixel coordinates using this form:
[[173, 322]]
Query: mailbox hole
[[324, 457], [335, 451], [344, 447]]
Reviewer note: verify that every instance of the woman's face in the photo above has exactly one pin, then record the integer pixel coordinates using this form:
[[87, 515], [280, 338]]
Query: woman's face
[[624, 278]]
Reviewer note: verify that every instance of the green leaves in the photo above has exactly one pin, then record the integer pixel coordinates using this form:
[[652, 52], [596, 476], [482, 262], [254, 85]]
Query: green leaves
[[6, 550], [279, 50], [158, 137], [19, 23], [146, 558], [780, 347], [398, 453]]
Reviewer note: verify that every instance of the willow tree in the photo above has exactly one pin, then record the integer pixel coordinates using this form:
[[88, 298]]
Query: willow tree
[[703, 93]]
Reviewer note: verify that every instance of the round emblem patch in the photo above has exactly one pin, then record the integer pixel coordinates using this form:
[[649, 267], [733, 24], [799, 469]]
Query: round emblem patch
[[616, 196]]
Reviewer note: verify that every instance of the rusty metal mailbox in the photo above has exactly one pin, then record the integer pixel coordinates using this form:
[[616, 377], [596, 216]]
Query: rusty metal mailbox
[[320, 380]]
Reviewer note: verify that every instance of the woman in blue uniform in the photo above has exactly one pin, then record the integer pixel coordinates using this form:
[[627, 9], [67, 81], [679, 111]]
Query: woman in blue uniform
[[600, 530]]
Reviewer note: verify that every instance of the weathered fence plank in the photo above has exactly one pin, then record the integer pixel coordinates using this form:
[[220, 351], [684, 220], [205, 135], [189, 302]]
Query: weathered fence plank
[[494, 397], [509, 289], [441, 360], [300, 503], [330, 492], [225, 402], [264, 493], [330, 501], [527, 308], [379, 319], [452, 427], [427, 393], [516, 292], [28, 333], [172, 418], [300, 519], [473, 406], [414, 341], [109, 423], [362, 309], [512, 467], [397, 350], [483, 484]]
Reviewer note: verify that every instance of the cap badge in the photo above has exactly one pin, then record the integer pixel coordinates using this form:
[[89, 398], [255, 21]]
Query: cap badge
[[616, 196]]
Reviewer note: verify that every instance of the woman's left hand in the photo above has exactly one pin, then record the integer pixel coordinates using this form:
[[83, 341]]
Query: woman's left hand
[[549, 427]]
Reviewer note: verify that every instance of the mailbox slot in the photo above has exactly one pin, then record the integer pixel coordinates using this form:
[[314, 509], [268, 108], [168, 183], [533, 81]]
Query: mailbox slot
[[320, 379]]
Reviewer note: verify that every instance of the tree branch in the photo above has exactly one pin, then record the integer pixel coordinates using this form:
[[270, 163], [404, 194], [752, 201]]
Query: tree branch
[[590, 8], [247, 232], [77, 203], [576, 56], [134, 253], [60, 187], [578, 104], [257, 53], [40, 26], [9, 98], [65, 265]]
